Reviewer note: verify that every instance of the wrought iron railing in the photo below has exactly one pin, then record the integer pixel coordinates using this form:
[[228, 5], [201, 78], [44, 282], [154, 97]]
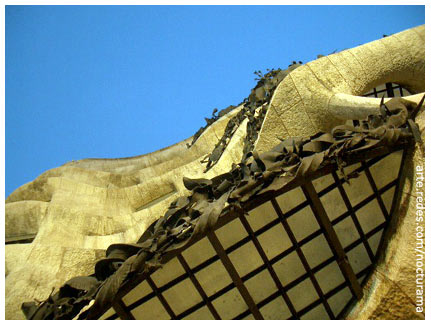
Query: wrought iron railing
[[264, 264]]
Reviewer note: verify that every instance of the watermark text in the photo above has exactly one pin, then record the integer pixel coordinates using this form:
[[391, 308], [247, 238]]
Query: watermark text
[[420, 237]]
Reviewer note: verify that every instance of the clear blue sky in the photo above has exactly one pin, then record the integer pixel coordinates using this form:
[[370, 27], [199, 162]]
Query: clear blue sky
[[118, 81]]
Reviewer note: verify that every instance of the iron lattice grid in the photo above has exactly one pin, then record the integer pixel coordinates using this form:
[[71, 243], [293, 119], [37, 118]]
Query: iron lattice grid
[[350, 284], [153, 287], [388, 90]]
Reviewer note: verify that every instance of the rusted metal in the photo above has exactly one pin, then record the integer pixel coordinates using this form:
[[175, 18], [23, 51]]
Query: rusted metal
[[331, 237], [229, 215], [302, 257], [161, 298], [376, 191], [198, 287], [234, 275], [353, 215], [268, 266], [122, 311]]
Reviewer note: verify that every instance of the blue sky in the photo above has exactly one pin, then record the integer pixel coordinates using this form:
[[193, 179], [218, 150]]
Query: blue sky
[[118, 81]]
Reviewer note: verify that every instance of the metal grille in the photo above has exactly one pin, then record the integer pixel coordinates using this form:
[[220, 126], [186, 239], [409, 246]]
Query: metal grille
[[387, 90], [301, 254]]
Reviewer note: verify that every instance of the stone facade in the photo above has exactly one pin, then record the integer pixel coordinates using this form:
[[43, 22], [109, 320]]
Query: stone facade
[[80, 208]]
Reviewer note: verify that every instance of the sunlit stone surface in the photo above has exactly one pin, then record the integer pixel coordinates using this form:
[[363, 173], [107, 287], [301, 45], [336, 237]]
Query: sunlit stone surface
[[79, 209]]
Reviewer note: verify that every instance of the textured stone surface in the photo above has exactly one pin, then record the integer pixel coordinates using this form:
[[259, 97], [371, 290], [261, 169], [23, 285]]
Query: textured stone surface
[[80, 208], [304, 99], [390, 293]]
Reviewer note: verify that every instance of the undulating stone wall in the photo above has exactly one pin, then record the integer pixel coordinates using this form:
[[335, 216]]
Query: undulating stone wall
[[80, 208]]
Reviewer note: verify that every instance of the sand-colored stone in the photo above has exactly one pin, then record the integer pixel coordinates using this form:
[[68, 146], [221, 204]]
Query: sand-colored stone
[[89, 204], [80, 208], [390, 292], [327, 89]]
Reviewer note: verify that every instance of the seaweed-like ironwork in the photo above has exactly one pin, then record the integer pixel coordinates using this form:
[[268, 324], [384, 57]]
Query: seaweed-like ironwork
[[254, 108], [188, 217]]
